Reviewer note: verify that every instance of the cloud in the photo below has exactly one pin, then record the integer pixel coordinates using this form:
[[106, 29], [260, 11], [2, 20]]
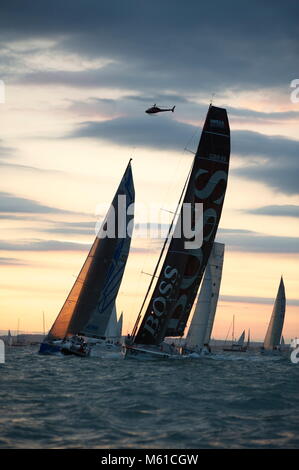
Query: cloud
[[288, 210], [13, 217], [273, 146], [254, 300], [166, 45], [73, 228], [250, 241], [19, 208], [263, 116], [10, 203], [42, 245], [134, 105], [272, 160], [144, 131], [5, 151], [12, 262]]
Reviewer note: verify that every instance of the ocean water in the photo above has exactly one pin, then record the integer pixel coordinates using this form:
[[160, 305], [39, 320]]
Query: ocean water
[[222, 401]]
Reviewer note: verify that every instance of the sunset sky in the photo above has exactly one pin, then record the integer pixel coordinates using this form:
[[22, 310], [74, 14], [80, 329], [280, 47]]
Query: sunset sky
[[78, 77]]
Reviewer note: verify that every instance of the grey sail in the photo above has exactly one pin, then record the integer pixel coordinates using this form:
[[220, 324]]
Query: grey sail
[[248, 339], [90, 303], [9, 338], [200, 329], [241, 340], [273, 335]]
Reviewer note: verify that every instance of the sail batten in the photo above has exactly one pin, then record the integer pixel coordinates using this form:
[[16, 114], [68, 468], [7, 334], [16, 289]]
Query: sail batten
[[181, 273]]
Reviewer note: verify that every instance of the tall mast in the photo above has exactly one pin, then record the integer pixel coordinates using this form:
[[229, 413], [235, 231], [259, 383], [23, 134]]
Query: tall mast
[[233, 331]]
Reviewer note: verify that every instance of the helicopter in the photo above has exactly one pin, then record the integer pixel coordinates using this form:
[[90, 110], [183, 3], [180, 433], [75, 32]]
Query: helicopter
[[154, 109]]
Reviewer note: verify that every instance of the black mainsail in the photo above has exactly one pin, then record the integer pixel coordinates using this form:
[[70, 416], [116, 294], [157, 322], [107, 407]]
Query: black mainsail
[[91, 301], [180, 276]]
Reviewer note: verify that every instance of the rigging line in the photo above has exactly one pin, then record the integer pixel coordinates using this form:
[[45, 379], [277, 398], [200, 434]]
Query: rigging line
[[174, 181], [162, 251]]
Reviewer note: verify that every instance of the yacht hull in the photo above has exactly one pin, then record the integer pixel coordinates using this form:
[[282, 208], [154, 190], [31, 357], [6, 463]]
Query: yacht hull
[[49, 349], [144, 353]]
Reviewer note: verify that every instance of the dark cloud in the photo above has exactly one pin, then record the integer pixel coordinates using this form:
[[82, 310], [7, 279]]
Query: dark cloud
[[276, 147], [31, 169], [143, 131], [233, 230], [12, 262], [42, 245], [254, 300], [288, 210], [168, 45], [73, 228], [186, 108], [272, 160], [280, 167], [56, 245], [14, 217], [13, 204], [249, 114], [5, 151], [254, 242]]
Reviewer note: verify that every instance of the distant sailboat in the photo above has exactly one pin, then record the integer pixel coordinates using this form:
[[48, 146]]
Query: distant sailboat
[[9, 338], [237, 346], [248, 340], [17, 341], [283, 346], [86, 313], [173, 296], [200, 329], [274, 331]]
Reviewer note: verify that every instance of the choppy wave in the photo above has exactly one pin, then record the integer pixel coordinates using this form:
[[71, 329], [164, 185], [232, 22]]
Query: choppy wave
[[220, 401]]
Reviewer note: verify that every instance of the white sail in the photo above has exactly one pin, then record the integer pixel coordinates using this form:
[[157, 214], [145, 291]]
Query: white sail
[[203, 319], [273, 335], [112, 327], [216, 270], [120, 325], [241, 340]]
